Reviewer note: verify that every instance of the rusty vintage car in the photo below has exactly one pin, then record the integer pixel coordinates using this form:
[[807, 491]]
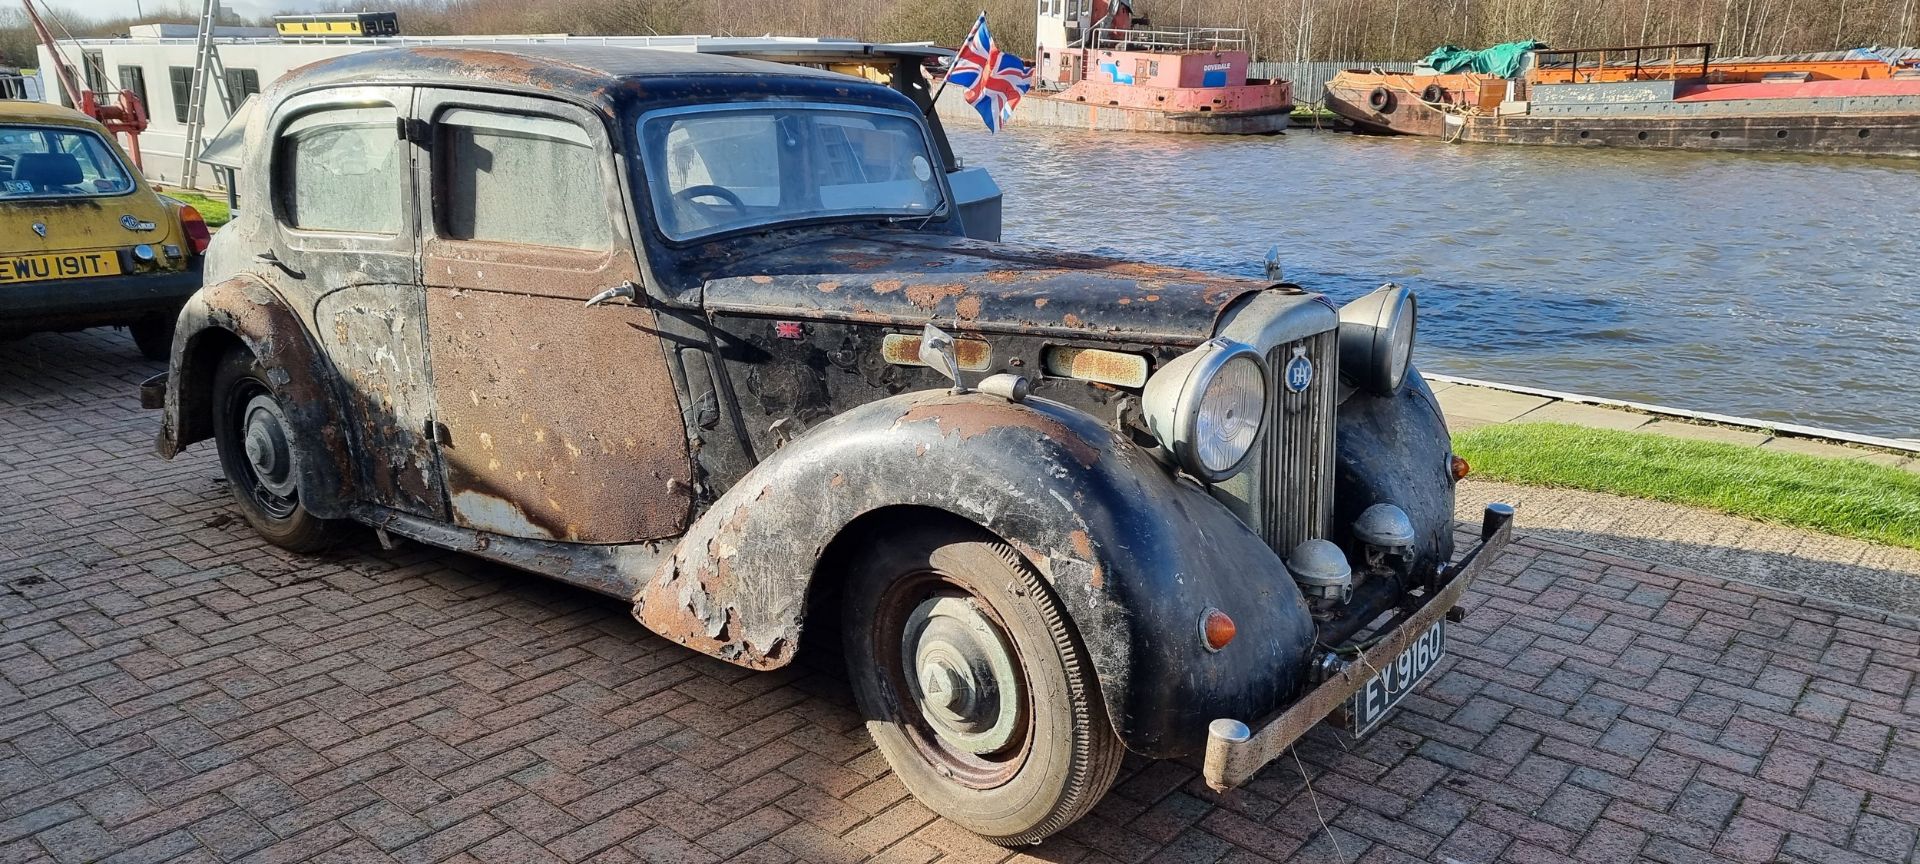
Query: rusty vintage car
[[709, 335]]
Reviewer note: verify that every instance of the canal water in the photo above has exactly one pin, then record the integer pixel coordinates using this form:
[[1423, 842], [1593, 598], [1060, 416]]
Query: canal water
[[1779, 288]]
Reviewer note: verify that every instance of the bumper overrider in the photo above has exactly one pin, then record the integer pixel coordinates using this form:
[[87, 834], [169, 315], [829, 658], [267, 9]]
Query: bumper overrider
[[1235, 752]]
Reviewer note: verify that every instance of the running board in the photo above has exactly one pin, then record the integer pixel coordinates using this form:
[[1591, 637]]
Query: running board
[[614, 570]]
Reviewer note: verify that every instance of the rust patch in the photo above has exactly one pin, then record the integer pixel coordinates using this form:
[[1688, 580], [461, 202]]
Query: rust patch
[[838, 480], [886, 286], [1003, 276], [1070, 319], [829, 287], [762, 280], [864, 260], [1083, 547], [968, 416], [1039, 302], [1095, 364], [929, 296], [968, 308]]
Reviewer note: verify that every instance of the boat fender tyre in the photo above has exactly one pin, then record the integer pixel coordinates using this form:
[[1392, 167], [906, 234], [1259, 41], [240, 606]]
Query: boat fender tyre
[[153, 336], [974, 685], [1434, 93], [255, 441], [1381, 100]]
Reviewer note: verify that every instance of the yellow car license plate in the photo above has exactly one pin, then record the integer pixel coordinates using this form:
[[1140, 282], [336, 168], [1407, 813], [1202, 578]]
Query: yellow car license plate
[[58, 265]]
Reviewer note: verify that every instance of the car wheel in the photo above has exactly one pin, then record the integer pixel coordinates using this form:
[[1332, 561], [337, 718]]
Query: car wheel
[[974, 686], [255, 439], [154, 336]]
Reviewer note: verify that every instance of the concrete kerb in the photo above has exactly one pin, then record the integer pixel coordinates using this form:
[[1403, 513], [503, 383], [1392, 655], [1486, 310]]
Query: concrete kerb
[[1471, 402]]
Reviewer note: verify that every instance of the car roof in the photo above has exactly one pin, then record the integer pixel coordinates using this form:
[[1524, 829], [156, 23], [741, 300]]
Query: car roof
[[32, 111], [580, 70]]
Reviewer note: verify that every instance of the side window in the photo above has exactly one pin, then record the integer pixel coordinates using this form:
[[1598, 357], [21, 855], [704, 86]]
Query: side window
[[181, 78], [342, 169], [517, 179]]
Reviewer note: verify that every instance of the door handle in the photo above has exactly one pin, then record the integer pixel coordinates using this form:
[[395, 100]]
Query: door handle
[[270, 258], [626, 291]]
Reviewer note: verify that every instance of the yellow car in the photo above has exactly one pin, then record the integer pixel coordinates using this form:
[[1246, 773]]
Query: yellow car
[[84, 241]]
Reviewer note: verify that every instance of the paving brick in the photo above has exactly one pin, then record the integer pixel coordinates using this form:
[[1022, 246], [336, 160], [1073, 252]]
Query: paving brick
[[175, 691]]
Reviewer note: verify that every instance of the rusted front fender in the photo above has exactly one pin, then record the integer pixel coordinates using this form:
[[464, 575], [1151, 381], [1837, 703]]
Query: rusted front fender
[[1135, 556], [244, 311]]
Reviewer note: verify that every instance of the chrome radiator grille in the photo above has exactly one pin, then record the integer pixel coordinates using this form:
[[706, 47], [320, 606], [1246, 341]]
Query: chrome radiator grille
[[1295, 495]]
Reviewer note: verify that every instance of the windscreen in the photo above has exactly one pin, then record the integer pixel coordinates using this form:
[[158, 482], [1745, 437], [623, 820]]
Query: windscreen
[[57, 162], [723, 169]]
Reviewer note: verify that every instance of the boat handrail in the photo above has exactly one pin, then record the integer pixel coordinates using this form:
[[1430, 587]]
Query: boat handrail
[[1625, 57], [1171, 39]]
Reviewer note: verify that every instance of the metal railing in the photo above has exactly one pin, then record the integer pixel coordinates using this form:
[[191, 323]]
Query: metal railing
[[1629, 62], [1171, 39]]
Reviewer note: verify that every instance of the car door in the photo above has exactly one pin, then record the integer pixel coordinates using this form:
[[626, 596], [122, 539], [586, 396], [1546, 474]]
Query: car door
[[561, 419], [345, 254]]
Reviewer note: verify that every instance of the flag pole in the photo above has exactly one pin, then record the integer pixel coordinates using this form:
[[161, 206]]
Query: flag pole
[[935, 102]]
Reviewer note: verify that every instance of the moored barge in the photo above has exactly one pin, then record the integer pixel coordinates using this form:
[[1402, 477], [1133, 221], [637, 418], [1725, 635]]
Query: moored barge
[[1099, 66], [1651, 96]]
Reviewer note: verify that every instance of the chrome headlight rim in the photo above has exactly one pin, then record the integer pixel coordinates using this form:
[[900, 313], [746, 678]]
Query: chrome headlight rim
[[1172, 399], [1378, 333]]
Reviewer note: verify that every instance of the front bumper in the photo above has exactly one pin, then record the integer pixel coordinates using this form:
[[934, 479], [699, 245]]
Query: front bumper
[[1235, 752], [65, 304]]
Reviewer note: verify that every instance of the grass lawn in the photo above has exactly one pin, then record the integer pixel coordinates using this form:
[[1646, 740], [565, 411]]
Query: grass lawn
[[214, 210], [1838, 496]]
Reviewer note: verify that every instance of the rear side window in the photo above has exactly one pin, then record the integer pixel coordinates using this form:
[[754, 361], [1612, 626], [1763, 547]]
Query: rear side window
[[512, 178], [58, 162], [342, 170]]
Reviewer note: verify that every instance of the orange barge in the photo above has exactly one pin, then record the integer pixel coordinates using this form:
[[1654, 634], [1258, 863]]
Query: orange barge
[[1651, 96]]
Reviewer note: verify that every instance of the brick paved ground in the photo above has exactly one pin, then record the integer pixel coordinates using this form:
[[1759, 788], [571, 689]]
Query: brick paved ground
[[172, 689]]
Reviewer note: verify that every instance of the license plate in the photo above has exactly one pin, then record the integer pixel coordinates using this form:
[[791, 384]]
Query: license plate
[[58, 265], [1376, 699]]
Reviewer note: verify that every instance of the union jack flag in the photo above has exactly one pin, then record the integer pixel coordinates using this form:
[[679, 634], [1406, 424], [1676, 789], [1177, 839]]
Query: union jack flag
[[994, 81]]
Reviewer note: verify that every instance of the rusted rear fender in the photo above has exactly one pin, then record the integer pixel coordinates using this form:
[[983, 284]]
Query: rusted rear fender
[[1135, 556], [245, 311]]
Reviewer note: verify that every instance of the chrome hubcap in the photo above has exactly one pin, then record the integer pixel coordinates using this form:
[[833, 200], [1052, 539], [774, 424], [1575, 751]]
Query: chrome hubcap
[[963, 677], [264, 437]]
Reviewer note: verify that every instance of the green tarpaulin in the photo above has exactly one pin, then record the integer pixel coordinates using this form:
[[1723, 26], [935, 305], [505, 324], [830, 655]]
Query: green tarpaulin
[[1502, 60]]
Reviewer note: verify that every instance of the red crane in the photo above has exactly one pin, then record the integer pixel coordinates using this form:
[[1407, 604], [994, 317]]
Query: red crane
[[125, 115]]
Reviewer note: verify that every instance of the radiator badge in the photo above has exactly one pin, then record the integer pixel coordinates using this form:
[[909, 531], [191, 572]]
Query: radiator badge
[[1299, 372]]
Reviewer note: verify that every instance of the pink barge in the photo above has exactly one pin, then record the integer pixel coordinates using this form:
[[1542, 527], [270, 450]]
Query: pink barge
[[1098, 66]]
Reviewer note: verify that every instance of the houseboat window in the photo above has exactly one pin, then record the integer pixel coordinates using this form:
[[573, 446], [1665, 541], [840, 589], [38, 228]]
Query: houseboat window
[[96, 71], [712, 170], [133, 79], [242, 83], [342, 170], [181, 79], [516, 179], [59, 162]]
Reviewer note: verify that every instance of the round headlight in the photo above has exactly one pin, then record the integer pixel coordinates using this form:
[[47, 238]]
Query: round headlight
[[1376, 338], [1207, 406], [1400, 343]]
